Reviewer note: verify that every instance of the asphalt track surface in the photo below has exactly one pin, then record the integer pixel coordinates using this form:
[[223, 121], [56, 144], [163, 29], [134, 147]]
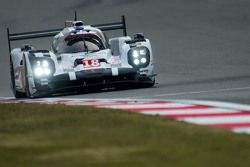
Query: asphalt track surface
[[201, 48]]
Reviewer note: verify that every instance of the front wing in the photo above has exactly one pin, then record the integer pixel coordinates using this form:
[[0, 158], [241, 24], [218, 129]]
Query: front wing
[[86, 78]]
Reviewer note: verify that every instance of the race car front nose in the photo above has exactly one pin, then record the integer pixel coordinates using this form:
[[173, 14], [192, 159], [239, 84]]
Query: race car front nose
[[103, 73], [94, 75]]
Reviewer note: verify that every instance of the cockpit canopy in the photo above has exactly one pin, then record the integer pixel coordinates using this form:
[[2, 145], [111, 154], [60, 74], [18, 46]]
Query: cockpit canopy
[[79, 43], [76, 37]]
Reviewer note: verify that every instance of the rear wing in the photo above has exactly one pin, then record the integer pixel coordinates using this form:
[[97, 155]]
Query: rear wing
[[52, 32]]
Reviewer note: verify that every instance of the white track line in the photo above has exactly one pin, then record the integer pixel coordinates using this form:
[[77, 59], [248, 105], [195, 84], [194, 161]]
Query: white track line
[[242, 130], [138, 106], [190, 111], [217, 120], [190, 93], [217, 104]]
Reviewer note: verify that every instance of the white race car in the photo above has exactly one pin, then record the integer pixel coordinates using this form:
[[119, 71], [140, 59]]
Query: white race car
[[80, 56]]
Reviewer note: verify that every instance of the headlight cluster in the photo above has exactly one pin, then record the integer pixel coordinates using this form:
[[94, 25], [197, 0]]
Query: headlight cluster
[[43, 67], [139, 57]]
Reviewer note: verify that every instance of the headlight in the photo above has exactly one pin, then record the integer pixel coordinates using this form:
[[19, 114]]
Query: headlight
[[47, 71], [142, 52], [43, 67], [136, 61], [139, 57], [135, 54], [45, 64], [38, 71], [143, 60]]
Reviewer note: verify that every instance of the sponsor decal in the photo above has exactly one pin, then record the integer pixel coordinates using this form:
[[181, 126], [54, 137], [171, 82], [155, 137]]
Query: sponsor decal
[[91, 63]]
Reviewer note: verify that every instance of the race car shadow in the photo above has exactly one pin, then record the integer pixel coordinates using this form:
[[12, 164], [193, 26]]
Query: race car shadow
[[100, 89]]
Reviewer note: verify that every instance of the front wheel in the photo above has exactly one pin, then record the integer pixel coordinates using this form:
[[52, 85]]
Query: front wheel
[[16, 93], [149, 84], [27, 81]]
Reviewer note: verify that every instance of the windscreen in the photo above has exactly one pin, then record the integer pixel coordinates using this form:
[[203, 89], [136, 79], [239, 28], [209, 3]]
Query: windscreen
[[80, 43]]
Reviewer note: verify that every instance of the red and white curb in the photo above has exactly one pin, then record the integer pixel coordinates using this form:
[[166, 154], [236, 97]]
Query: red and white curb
[[234, 117]]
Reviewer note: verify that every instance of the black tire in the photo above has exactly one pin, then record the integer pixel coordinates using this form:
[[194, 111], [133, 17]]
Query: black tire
[[27, 90], [149, 84], [27, 84], [16, 93]]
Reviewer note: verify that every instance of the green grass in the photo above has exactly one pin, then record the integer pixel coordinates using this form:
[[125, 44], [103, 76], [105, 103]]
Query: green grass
[[58, 135]]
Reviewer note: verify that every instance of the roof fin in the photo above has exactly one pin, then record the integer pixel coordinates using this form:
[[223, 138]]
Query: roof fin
[[75, 19]]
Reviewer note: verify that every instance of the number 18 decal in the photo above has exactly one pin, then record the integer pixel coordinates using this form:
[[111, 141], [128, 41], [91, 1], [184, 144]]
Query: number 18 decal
[[91, 63]]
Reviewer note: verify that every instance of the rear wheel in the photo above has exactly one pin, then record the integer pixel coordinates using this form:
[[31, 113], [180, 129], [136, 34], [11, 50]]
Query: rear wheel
[[16, 93]]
